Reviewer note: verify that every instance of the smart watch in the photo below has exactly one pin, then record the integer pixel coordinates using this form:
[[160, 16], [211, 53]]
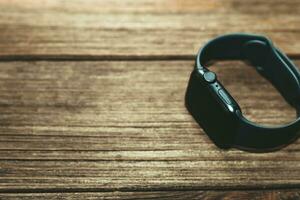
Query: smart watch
[[216, 111]]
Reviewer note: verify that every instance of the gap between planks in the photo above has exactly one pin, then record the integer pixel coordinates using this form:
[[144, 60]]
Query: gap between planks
[[79, 57], [295, 189]]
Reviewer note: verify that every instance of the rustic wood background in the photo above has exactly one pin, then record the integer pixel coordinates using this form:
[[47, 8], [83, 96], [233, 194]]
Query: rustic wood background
[[92, 100]]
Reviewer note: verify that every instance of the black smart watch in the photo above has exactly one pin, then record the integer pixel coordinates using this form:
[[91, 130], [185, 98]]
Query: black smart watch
[[218, 113]]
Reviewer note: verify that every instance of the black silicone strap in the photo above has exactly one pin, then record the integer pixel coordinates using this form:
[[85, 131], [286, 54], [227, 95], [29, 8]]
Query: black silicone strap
[[274, 66], [252, 136]]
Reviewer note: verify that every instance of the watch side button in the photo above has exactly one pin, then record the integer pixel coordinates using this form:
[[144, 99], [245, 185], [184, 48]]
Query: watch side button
[[224, 96], [210, 77]]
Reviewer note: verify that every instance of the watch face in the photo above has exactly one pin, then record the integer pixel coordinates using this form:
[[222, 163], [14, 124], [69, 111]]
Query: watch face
[[212, 107]]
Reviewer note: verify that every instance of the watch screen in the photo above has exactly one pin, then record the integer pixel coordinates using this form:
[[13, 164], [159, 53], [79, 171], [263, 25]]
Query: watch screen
[[206, 106]]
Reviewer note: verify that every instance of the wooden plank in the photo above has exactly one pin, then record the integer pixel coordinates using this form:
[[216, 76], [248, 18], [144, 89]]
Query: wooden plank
[[20, 176], [176, 195], [114, 29], [123, 126]]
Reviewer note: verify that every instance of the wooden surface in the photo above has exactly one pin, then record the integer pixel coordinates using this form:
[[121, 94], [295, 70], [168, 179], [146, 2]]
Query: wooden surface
[[144, 28], [92, 101]]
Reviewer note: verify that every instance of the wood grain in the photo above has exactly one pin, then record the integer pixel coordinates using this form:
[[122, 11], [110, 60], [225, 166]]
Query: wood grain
[[157, 29], [123, 126], [176, 195], [108, 120]]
